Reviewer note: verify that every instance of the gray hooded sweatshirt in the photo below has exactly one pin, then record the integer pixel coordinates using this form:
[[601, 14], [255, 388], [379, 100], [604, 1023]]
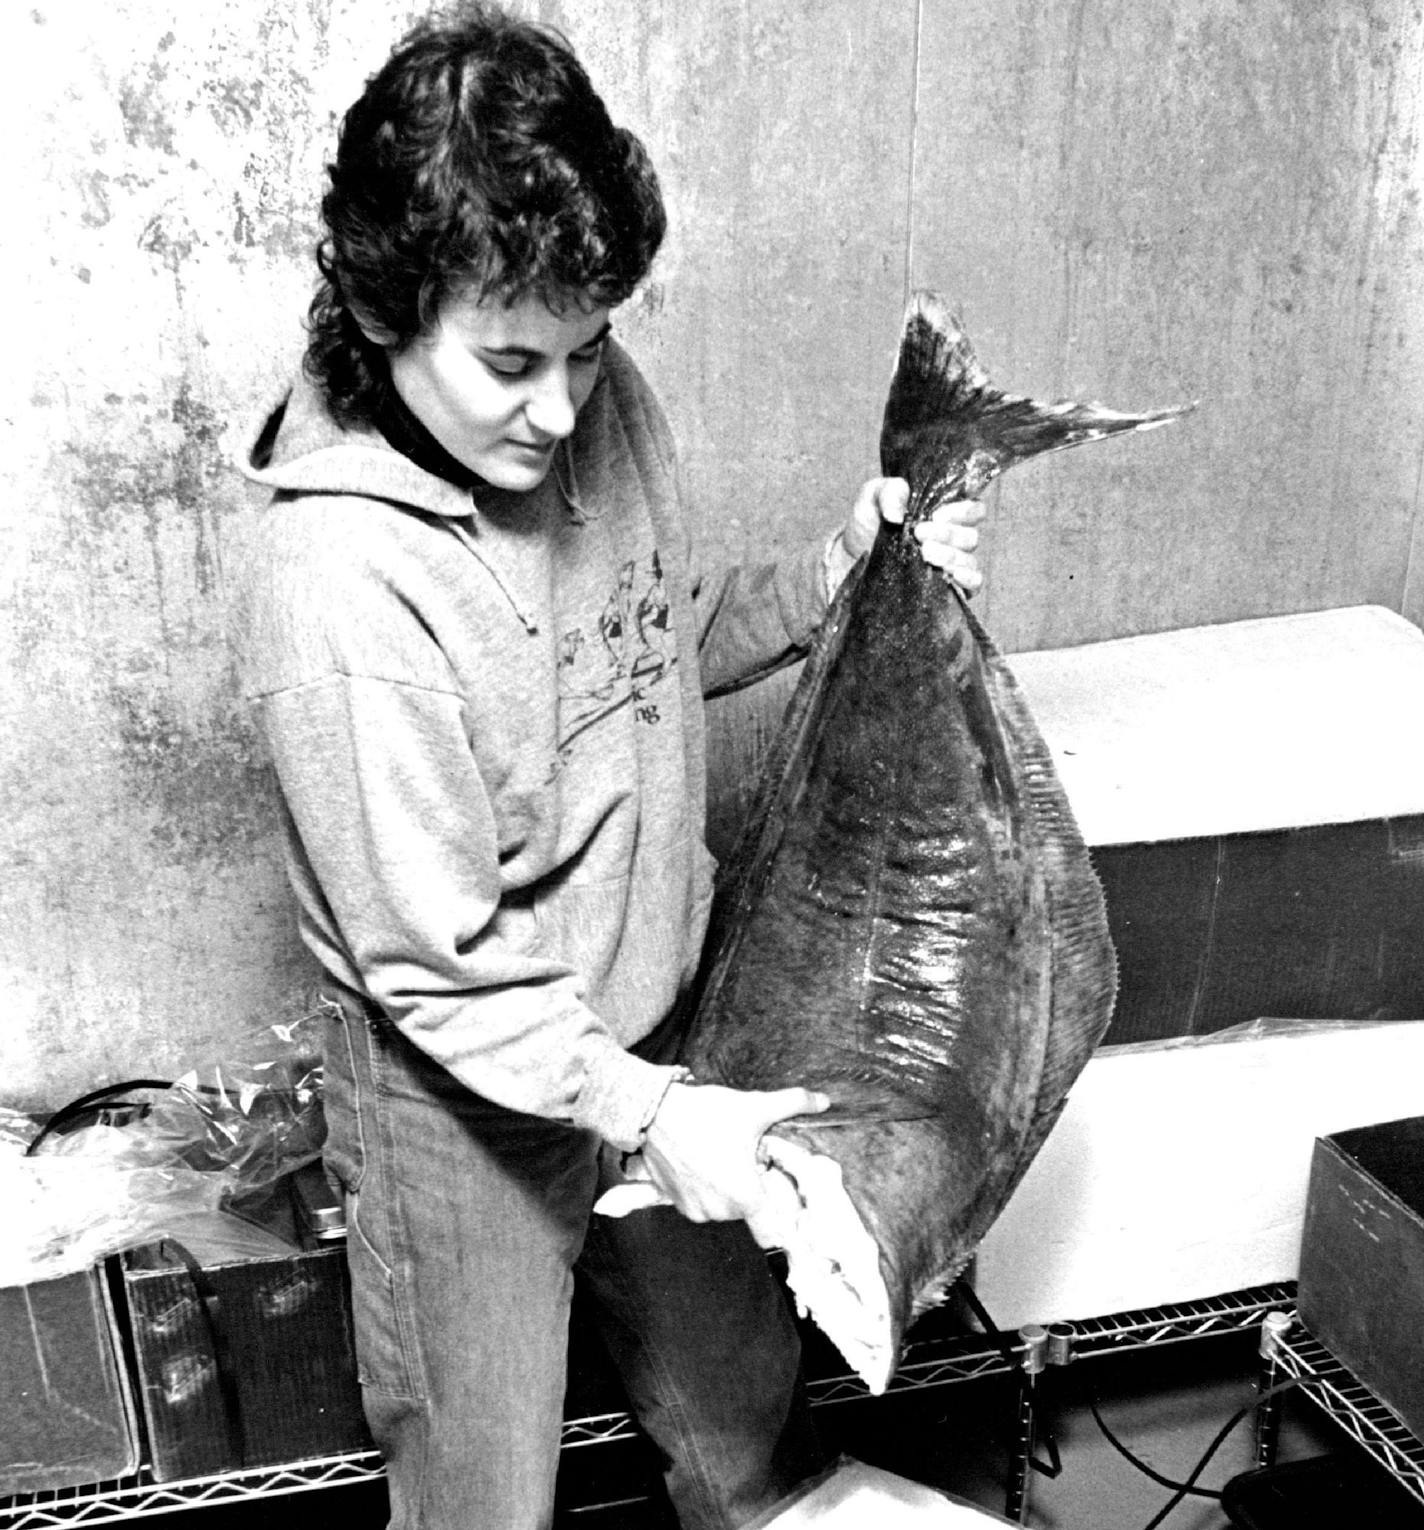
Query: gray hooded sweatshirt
[[485, 715]]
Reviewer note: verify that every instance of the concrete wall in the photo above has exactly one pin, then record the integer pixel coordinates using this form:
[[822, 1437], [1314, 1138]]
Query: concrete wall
[[1142, 203]]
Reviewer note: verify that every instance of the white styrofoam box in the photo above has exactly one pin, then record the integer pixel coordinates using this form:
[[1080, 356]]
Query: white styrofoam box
[[1179, 1170], [1275, 723]]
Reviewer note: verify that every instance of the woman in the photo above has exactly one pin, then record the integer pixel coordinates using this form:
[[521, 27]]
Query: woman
[[478, 647]]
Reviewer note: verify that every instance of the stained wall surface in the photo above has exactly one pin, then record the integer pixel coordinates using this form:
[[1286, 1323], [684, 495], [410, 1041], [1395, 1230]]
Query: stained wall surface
[[1146, 204]]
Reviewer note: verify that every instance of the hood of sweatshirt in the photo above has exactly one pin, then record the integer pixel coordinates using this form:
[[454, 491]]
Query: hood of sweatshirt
[[301, 449]]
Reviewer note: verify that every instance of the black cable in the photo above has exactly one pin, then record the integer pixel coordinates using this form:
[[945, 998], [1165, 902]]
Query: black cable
[[87, 1102], [209, 1312], [1137, 1461], [1053, 1467], [1183, 1489]]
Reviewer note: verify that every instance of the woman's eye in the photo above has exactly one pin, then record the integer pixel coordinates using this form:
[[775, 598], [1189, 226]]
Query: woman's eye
[[507, 366], [521, 366]]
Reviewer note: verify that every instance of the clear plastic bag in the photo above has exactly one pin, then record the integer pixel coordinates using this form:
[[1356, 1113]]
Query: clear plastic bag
[[252, 1116], [1247, 1030], [216, 1140]]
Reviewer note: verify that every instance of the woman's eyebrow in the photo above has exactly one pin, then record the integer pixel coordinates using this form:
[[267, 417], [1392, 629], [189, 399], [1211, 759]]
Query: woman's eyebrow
[[532, 353]]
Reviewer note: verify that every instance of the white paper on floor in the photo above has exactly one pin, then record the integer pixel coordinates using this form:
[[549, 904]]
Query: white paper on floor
[[855, 1496]]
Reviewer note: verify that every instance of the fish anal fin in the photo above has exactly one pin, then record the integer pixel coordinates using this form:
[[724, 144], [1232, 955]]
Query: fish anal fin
[[993, 1196]]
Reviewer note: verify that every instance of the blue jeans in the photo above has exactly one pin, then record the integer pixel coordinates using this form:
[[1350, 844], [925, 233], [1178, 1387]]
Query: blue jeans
[[467, 1225]]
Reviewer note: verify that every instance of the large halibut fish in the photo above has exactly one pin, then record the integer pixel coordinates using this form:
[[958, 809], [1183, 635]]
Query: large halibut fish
[[910, 922]]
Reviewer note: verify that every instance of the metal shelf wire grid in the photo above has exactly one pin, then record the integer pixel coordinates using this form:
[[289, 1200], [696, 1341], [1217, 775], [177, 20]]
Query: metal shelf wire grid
[[1184, 1320], [1358, 1411], [138, 1495], [597, 1429], [928, 1363], [940, 1361]]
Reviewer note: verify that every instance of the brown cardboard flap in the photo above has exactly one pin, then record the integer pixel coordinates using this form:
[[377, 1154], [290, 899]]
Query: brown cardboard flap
[[66, 1412]]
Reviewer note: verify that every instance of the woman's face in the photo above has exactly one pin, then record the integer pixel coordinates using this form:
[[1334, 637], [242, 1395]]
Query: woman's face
[[500, 385]]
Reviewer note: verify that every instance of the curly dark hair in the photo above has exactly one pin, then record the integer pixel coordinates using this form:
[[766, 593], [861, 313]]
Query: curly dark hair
[[479, 158]]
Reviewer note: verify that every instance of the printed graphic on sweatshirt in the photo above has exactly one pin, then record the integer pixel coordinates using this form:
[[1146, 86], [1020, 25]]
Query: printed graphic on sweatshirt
[[620, 659]]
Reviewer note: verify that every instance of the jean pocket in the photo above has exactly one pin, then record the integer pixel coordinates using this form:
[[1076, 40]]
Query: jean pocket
[[386, 1353], [386, 1356], [343, 1152]]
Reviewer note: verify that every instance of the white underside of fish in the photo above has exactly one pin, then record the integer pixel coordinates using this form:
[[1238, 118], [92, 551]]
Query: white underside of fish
[[833, 1264]]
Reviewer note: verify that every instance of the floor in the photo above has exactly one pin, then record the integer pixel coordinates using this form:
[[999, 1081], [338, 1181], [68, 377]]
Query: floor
[[1166, 1405]]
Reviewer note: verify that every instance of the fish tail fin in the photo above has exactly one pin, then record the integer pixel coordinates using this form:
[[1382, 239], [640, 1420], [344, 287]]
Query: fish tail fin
[[950, 433]]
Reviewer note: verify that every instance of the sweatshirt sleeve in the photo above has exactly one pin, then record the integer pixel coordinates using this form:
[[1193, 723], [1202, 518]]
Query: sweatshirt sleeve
[[395, 837], [756, 618], [752, 619]]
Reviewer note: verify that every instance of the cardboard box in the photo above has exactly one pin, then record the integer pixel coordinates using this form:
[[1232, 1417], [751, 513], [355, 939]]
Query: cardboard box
[[66, 1412], [1362, 1259], [251, 1364], [1252, 796], [1180, 1170]]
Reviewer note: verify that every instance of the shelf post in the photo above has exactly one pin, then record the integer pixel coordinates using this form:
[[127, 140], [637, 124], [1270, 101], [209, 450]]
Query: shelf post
[[1035, 1356], [1274, 1326]]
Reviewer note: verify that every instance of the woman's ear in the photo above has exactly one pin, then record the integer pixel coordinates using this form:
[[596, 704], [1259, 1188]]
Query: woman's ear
[[375, 333]]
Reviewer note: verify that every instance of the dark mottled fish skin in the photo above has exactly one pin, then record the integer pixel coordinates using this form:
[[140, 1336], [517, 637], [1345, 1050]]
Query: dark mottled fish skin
[[911, 922]]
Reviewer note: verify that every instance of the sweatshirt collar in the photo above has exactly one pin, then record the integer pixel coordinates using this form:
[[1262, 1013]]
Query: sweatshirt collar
[[403, 430], [398, 423], [301, 449]]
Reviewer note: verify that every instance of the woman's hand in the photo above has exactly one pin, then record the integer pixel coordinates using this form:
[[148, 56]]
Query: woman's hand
[[702, 1149], [947, 538]]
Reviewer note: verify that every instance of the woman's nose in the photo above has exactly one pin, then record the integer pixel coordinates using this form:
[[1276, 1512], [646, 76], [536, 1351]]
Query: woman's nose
[[550, 409]]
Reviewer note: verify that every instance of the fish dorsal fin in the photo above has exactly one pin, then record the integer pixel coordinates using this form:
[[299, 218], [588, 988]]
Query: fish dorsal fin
[[950, 433]]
